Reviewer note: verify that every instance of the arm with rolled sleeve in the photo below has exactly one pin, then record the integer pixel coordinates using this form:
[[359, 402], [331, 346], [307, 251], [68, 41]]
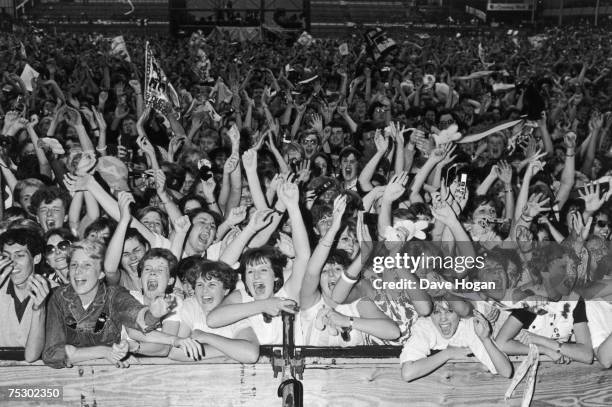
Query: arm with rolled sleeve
[[130, 312]]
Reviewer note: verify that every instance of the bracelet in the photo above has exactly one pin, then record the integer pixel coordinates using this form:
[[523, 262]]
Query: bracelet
[[569, 155], [211, 203], [351, 320], [526, 218], [348, 279], [138, 348], [101, 148], [95, 129]]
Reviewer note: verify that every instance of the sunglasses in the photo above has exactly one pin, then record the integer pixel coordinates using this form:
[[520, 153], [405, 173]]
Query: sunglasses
[[602, 223], [64, 245]]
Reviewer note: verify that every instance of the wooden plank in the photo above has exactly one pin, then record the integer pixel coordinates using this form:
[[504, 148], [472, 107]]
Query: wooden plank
[[342, 383]]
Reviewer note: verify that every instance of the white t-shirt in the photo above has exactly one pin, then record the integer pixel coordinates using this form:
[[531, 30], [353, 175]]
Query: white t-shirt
[[425, 337], [599, 314], [272, 333], [191, 315], [315, 337]]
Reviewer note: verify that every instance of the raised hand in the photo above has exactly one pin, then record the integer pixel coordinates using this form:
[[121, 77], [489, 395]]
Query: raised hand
[[381, 141], [86, 163], [570, 140], [260, 220], [99, 118], [136, 86], [289, 194], [339, 208], [121, 111], [504, 172], [234, 135], [39, 290], [102, 97], [249, 160], [303, 174], [231, 164], [181, 225], [145, 145], [72, 116], [317, 123], [535, 205], [125, 199], [396, 187], [237, 215], [441, 210]]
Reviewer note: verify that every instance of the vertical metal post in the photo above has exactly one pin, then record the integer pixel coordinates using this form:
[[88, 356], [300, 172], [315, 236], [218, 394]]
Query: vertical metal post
[[560, 12], [596, 12], [533, 7], [290, 389]]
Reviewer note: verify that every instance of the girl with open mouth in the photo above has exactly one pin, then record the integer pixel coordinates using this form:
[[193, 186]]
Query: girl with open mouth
[[321, 317], [266, 294]]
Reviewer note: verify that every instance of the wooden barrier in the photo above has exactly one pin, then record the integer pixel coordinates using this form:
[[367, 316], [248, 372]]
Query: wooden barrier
[[345, 381]]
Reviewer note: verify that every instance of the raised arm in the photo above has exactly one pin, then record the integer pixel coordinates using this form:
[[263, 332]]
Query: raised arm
[[309, 293], [289, 194], [112, 258]]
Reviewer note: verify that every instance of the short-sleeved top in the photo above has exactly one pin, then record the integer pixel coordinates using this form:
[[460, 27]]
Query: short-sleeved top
[[272, 333], [599, 314], [315, 337], [191, 315], [172, 316], [426, 337], [555, 320]]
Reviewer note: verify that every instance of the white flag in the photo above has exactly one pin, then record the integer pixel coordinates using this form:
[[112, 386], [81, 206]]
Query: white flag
[[118, 47], [27, 75]]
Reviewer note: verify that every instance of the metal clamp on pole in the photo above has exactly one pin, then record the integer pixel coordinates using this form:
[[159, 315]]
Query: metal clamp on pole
[[290, 389]]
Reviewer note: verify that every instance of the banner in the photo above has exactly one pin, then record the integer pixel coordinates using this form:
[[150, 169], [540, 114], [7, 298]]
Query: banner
[[158, 93], [378, 42], [119, 48], [28, 75]]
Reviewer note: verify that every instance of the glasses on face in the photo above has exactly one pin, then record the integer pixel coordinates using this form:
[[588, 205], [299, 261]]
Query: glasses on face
[[379, 110], [309, 141], [446, 122], [63, 246], [602, 223]]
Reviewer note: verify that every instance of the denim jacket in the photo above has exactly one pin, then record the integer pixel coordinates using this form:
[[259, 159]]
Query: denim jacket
[[68, 323]]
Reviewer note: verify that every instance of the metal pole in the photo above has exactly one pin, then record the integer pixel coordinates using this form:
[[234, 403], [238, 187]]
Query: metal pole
[[560, 12], [533, 7], [596, 12]]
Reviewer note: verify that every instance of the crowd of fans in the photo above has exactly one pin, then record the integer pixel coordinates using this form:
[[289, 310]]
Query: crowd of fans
[[271, 189]]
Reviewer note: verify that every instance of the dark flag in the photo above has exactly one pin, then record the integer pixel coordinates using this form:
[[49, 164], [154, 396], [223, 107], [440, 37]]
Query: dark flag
[[159, 92], [378, 42]]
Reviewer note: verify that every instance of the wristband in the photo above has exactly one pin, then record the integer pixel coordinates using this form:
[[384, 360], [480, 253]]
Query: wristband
[[526, 218], [351, 320], [100, 149]]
